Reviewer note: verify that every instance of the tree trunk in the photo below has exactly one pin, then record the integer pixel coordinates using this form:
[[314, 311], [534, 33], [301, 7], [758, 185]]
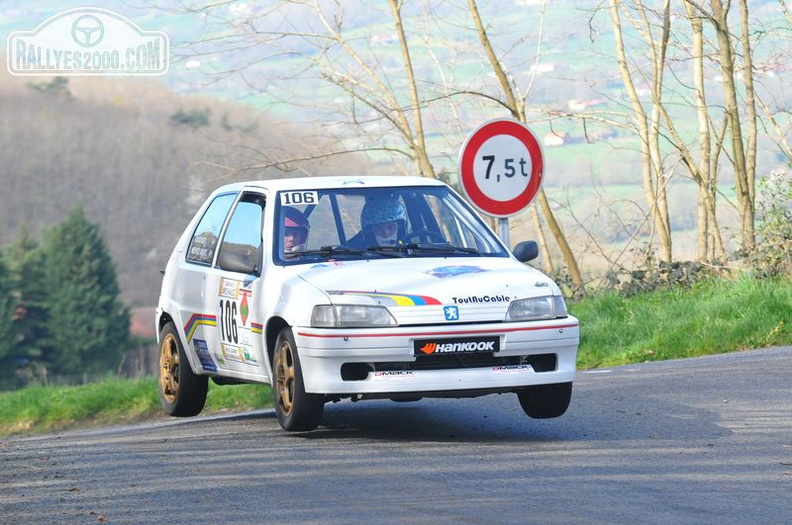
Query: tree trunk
[[750, 114], [418, 139], [743, 183], [517, 108], [648, 132], [710, 243]]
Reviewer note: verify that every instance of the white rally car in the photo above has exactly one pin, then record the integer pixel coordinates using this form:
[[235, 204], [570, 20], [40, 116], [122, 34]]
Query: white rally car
[[360, 288]]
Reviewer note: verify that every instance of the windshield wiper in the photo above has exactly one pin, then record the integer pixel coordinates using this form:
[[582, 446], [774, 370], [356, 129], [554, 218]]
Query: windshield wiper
[[441, 248], [328, 250], [425, 247], [335, 249]]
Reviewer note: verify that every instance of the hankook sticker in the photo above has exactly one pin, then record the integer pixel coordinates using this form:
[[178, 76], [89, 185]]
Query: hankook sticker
[[459, 345]]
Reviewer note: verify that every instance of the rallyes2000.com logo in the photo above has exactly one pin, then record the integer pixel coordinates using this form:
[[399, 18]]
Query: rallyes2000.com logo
[[87, 41]]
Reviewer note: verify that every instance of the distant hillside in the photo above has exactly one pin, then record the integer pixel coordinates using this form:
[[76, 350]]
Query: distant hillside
[[138, 158]]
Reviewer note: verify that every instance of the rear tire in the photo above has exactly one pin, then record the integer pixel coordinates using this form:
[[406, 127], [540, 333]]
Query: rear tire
[[182, 393], [545, 401], [297, 410]]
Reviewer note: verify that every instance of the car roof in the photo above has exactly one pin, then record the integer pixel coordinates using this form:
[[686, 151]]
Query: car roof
[[321, 183]]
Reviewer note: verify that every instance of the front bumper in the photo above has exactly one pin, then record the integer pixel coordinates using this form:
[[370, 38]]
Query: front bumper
[[379, 362]]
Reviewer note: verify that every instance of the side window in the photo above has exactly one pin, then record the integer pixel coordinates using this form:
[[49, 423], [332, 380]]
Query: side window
[[204, 241], [240, 250]]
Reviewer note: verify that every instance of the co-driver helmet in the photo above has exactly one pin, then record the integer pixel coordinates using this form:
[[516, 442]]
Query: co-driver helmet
[[295, 224]]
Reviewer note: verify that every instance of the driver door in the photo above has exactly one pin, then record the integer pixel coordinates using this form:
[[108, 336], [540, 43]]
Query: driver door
[[232, 290]]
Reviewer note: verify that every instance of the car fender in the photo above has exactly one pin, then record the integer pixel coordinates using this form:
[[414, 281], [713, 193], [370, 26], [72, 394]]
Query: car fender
[[168, 309], [296, 301]]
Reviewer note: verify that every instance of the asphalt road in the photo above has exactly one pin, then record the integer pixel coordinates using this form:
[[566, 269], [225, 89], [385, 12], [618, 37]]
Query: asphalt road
[[706, 440]]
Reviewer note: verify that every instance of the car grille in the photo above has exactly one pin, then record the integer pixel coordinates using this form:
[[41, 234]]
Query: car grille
[[361, 371], [448, 362]]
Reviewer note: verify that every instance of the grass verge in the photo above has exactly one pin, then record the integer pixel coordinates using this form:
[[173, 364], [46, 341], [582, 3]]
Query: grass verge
[[711, 317], [44, 409]]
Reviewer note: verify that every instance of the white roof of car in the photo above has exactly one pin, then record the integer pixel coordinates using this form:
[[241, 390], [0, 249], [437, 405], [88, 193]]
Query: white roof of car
[[318, 183]]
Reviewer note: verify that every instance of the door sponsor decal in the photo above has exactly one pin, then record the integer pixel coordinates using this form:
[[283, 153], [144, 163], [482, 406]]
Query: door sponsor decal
[[239, 354], [244, 307], [236, 328], [228, 288], [202, 351]]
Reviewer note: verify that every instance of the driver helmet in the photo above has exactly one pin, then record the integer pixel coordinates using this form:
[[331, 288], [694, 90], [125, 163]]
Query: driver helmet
[[295, 229], [377, 216]]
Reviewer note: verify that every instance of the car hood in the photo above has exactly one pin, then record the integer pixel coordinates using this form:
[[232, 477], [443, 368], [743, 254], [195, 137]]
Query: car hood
[[419, 290]]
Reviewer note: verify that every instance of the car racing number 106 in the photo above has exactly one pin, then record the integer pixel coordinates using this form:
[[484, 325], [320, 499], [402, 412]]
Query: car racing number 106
[[229, 333], [234, 323]]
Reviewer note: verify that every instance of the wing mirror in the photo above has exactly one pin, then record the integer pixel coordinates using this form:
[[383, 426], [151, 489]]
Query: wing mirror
[[237, 262], [526, 251]]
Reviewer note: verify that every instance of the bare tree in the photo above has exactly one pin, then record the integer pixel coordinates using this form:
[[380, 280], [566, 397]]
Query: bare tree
[[417, 140], [657, 127], [704, 171], [654, 175], [742, 148]]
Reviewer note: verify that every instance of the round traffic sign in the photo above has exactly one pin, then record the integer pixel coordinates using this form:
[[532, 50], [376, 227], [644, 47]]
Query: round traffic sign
[[501, 167]]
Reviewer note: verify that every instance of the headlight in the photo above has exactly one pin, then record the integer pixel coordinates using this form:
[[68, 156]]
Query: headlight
[[534, 308], [350, 316]]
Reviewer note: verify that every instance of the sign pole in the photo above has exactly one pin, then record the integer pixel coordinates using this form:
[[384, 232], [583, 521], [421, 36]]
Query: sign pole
[[503, 230]]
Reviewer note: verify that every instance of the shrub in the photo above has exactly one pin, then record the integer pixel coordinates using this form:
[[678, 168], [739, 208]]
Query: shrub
[[665, 276], [773, 253]]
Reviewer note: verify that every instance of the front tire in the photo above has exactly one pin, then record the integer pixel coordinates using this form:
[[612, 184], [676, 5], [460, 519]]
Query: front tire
[[182, 393], [297, 410], [545, 401]]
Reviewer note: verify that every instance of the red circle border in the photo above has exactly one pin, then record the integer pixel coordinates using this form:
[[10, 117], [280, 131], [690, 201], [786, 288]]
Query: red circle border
[[471, 147]]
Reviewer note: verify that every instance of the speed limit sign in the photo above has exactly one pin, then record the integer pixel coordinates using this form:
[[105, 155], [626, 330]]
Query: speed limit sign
[[500, 167]]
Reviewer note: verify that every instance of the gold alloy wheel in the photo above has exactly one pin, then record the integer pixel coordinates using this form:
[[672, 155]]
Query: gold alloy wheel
[[284, 376], [169, 368]]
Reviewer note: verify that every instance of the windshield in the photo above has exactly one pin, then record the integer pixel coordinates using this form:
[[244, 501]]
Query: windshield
[[367, 223]]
